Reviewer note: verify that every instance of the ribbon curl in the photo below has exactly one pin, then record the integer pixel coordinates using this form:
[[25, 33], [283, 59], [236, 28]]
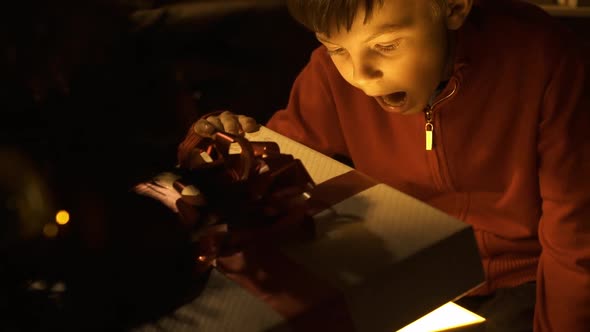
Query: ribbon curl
[[234, 193]]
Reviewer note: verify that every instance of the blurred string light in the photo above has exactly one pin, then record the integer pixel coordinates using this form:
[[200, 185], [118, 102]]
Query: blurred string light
[[50, 230], [62, 217]]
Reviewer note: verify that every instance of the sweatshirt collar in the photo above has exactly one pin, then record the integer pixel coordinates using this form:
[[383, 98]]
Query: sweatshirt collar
[[459, 63]]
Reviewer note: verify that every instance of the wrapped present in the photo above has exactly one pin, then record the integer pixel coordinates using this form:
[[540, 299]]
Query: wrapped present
[[377, 259]]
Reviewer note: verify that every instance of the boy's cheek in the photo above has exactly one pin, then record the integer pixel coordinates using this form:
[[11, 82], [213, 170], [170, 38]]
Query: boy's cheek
[[344, 69]]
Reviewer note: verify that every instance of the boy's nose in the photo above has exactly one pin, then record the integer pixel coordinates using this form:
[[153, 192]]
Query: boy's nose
[[365, 73]]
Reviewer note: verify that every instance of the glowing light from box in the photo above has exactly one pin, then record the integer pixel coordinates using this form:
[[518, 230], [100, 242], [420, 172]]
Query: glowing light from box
[[449, 316], [50, 230], [62, 217]]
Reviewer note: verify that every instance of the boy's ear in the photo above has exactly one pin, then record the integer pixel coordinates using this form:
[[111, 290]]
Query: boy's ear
[[456, 13]]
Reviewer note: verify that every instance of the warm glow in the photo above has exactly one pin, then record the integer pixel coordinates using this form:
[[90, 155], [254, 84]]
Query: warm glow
[[447, 317], [50, 230], [62, 217], [202, 258]]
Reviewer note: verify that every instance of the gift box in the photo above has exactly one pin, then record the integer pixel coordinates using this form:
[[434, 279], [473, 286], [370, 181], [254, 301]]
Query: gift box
[[379, 260]]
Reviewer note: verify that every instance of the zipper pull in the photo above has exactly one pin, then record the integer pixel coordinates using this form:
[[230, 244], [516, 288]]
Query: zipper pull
[[429, 128]]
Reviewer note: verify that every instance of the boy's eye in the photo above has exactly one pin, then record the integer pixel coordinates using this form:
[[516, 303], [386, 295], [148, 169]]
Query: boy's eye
[[389, 47], [337, 51]]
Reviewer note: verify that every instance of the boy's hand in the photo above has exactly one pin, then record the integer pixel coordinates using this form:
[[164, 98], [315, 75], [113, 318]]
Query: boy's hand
[[226, 121]]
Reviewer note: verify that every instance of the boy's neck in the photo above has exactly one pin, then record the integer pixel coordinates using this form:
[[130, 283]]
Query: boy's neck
[[449, 65]]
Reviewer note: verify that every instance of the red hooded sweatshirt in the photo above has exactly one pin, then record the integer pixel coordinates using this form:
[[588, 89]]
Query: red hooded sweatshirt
[[511, 151]]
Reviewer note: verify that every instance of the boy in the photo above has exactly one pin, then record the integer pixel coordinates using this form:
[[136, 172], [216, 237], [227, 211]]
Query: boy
[[477, 108]]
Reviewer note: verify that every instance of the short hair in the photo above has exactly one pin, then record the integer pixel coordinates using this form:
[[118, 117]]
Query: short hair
[[322, 16]]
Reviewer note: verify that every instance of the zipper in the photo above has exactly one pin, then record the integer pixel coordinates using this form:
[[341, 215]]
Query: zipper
[[429, 116]]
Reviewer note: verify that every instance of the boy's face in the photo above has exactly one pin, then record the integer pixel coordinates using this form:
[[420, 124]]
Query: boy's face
[[398, 57]]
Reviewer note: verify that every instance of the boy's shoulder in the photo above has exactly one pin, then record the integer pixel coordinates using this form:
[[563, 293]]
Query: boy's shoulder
[[516, 34], [516, 21]]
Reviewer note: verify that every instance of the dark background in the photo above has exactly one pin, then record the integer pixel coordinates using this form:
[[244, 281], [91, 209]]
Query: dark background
[[115, 71]]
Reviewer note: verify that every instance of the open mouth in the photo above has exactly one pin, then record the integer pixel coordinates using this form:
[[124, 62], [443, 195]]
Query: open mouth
[[394, 102], [396, 99]]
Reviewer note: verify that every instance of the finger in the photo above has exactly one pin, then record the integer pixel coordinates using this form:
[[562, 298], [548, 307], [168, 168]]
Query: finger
[[230, 123], [164, 195], [215, 121], [204, 128], [248, 124], [166, 179], [190, 194]]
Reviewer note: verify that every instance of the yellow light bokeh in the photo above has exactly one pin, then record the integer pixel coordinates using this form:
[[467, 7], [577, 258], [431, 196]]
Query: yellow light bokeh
[[50, 230], [62, 217]]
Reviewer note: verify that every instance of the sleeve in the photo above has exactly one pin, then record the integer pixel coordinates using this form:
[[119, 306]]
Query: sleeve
[[311, 116], [563, 277]]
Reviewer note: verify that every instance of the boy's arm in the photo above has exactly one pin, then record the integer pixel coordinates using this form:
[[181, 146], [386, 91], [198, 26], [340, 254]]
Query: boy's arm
[[311, 117], [563, 278]]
